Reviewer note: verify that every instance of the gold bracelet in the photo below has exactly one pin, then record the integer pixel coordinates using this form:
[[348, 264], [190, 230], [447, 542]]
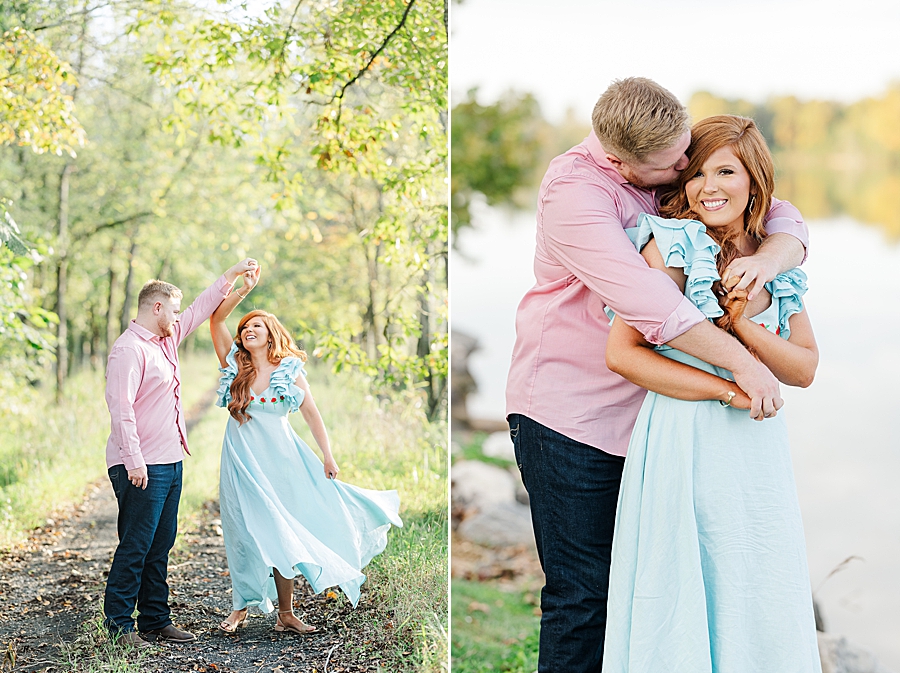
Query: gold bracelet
[[731, 396], [242, 296]]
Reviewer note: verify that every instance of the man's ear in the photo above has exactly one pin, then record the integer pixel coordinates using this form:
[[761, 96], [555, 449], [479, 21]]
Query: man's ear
[[614, 160], [157, 308]]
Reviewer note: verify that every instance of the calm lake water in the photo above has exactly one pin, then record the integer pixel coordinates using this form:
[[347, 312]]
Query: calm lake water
[[844, 429]]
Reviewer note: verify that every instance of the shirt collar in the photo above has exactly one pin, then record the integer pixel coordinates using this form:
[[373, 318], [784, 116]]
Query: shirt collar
[[143, 332], [599, 156]]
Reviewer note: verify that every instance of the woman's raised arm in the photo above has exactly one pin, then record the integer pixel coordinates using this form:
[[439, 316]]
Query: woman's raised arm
[[221, 337]]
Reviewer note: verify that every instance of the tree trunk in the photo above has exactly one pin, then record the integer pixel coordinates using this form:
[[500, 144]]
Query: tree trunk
[[370, 331], [111, 323], [165, 266], [436, 384], [62, 270], [95, 331], [129, 284]]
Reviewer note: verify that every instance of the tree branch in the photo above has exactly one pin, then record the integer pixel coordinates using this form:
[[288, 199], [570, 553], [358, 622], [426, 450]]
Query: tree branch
[[125, 220], [287, 33], [69, 18], [114, 223], [340, 96]]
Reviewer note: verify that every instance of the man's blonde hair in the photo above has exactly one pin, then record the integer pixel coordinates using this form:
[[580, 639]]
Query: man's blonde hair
[[635, 117], [154, 290]]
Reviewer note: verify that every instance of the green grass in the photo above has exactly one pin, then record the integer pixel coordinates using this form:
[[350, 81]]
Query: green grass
[[472, 450], [389, 445], [493, 630], [380, 444], [92, 651]]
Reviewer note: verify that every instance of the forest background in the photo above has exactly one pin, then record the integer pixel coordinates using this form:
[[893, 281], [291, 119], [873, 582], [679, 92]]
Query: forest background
[[168, 140]]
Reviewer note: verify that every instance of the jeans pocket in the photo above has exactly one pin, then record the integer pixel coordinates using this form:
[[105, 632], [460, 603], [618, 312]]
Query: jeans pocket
[[514, 435], [115, 479]]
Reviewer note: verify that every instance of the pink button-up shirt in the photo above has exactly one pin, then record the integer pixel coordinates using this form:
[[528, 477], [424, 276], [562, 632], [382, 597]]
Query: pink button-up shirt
[[583, 262], [143, 388]]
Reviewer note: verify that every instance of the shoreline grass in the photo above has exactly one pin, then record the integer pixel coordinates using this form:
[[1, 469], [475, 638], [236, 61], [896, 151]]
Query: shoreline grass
[[493, 630]]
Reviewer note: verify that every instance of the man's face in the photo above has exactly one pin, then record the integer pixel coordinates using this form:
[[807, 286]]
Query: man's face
[[659, 168], [167, 310]]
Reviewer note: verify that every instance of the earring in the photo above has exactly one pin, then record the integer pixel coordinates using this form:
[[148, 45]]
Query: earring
[[752, 201], [269, 346]]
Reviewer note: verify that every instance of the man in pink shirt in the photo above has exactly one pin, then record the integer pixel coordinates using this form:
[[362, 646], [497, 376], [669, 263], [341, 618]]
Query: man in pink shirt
[[570, 417], [144, 453]]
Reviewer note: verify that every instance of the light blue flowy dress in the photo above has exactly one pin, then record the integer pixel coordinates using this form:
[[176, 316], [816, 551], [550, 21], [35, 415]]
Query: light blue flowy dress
[[278, 508], [709, 570]]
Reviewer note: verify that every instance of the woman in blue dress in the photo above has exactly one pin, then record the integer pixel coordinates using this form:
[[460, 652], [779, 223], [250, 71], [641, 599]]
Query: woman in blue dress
[[283, 511], [709, 571]]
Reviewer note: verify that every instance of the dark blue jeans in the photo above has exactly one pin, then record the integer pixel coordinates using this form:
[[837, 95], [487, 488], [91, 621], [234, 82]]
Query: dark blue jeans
[[148, 521], [573, 489]]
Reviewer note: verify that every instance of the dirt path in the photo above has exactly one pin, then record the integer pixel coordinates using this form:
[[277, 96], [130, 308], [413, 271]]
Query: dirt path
[[51, 595]]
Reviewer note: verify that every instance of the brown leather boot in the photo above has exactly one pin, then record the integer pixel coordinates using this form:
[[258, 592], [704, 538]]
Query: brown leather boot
[[131, 639], [169, 634]]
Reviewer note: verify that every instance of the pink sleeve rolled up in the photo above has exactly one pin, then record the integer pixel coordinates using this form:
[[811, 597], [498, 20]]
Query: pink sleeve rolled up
[[585, 235], [784, 218]]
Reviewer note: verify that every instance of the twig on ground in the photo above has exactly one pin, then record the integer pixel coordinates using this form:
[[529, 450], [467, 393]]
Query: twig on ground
[[328, 658]]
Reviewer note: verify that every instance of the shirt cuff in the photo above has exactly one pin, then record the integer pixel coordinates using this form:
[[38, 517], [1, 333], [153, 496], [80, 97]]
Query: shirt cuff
[[132, 461], [685, 316], [223, 286]]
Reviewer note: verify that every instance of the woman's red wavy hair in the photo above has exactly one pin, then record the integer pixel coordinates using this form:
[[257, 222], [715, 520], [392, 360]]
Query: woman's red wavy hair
[[280, 346], [749, 146]]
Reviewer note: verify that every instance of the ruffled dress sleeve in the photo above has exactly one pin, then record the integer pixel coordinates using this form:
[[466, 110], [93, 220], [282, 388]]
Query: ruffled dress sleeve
[[229, 371], [683, 244], [787, 289], [282, 383]]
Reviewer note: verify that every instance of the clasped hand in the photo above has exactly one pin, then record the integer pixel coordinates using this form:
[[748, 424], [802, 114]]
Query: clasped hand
[[752, 273], [239, 269], [251, 277]]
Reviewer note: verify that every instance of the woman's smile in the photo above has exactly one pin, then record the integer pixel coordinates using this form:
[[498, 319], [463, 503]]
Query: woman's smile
[[720, 190], [254, 332], [713, 204]]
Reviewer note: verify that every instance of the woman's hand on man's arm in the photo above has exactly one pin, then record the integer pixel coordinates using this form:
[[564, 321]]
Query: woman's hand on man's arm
[[778, 253]]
